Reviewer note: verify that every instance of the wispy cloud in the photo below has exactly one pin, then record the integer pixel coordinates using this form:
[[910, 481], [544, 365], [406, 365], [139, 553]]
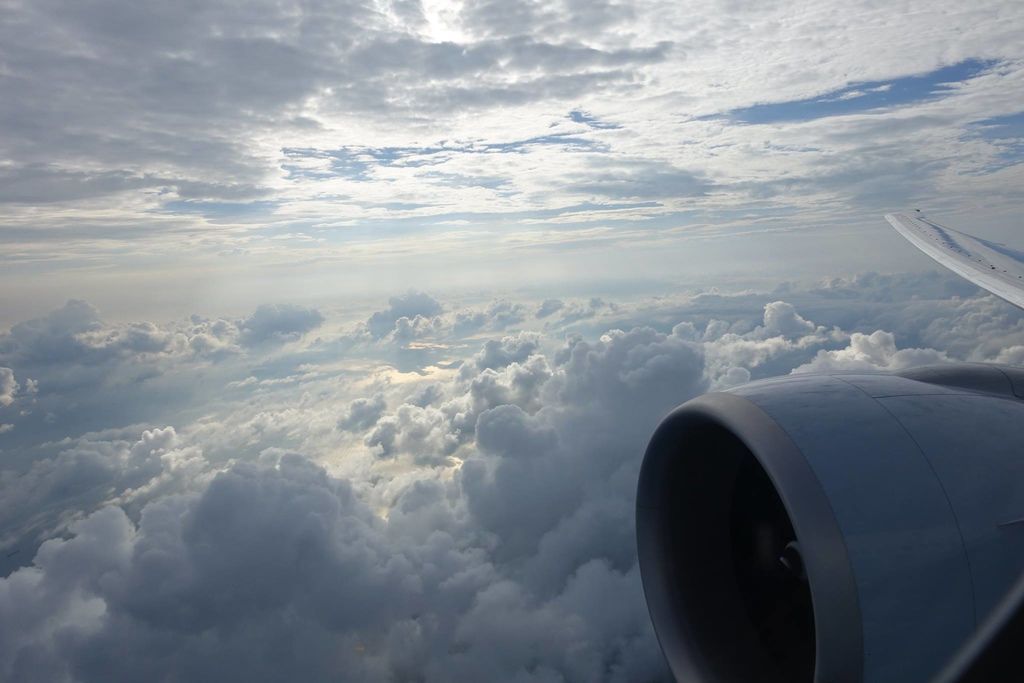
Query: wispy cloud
[[182, 136]]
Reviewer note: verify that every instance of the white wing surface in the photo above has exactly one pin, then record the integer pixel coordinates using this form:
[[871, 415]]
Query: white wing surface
[[994, 267]]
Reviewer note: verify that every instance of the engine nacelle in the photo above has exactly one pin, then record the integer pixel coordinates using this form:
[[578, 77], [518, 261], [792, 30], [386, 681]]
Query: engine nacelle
[[847, 528]]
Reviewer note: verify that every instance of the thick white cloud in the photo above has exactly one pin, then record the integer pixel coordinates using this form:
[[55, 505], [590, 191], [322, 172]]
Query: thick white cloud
[[469, 519], [872, 352], [782, 319], [497, 354], [404, 314]]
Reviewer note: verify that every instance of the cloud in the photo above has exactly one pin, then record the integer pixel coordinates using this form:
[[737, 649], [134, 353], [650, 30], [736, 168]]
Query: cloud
[[409, 306], [501, 353], [81, 373], [398, 128], [278, 323], [259, 536], [573, 311], [8, 387], [781, 318], [423, 432], [86, 473], [872, 352], [303, 545], [498, 315], [508, 431], [407, 330], [174, 579], [75, 332], [549, 307], [363, 413], [390, 591], [417, 316]]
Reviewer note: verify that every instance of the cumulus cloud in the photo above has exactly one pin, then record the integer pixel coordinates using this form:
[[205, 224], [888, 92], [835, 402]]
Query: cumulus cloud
[[872, 352], [278, 323], [501, 353], [564, 313], [8, 387], [206, 580], [549, 307], [259, 541], [363, 413], [508, 431], [81, 373], [85, 474], [416, 316], [736, 352], [178, 573], [76, 340], [498, 315], [1013, 355], [781, 318], [412, 308], [75, 333]]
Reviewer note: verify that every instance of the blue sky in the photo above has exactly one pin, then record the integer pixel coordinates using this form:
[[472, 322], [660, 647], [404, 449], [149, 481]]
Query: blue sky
[[879, 96]]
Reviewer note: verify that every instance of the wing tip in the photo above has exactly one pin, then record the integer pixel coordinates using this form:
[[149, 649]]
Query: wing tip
[[895, 218]]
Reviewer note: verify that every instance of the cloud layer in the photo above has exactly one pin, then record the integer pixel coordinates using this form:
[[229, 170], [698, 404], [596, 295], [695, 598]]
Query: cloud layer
[[280, 139], [311, 510]]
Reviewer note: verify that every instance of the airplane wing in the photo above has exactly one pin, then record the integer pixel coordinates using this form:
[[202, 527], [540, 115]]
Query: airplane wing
[[991, 266]]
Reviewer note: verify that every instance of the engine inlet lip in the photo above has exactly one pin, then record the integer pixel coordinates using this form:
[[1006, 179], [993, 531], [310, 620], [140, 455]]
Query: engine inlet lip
[[839, 656]]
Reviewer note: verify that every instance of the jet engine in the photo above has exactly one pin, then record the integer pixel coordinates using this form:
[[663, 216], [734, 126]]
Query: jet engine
[[833, 528]]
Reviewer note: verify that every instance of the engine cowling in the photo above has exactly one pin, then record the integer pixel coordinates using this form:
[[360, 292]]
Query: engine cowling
[[833, 528]]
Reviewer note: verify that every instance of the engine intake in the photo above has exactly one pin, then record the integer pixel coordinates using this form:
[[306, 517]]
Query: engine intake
[[852, 528]]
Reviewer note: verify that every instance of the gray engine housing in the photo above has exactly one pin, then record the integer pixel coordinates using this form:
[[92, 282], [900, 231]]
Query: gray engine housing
[[906, 497]]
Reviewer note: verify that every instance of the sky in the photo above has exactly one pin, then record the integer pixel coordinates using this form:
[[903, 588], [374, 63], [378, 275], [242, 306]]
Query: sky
[[332, 333]]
